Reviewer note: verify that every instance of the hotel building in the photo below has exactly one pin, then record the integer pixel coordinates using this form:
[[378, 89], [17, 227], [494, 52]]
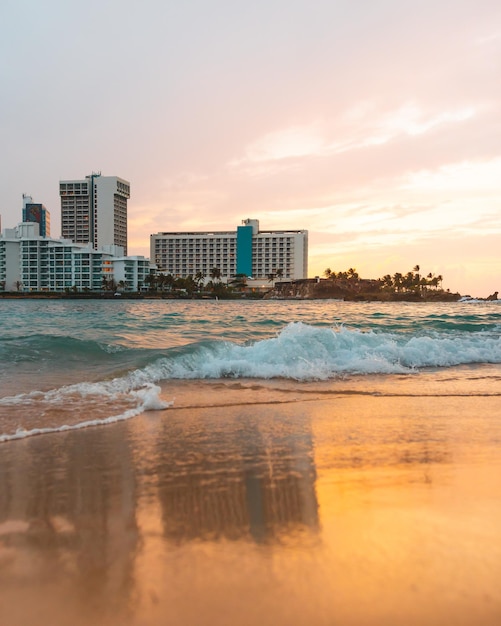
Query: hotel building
[[247, 251], [29, 262], [94, 210]]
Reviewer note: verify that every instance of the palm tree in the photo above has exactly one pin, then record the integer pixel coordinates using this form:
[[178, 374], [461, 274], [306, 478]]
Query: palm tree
[[279, 273], [409, 281], [397, 281], [423, 284], [189, 284], [199, 278], [215, 273], [160, 280], [435, 281], [387, 281], [169, 281], [239, 282], [352, 273], [328, 272], [151, 281], [180, 284]]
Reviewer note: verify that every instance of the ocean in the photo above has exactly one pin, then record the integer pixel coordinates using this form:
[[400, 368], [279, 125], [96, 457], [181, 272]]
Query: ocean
[[72, 364], [250, 463]]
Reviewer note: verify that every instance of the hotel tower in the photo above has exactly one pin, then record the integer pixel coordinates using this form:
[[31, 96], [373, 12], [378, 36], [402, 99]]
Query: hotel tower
[[95, 210], [247, 251]]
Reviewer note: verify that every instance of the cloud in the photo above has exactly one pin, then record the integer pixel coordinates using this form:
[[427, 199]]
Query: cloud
[[362, 126], [296, 141], [480, 177], [492, 38]]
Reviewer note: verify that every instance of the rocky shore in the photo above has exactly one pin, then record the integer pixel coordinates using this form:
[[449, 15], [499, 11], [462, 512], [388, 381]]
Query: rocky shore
[[355, 290]]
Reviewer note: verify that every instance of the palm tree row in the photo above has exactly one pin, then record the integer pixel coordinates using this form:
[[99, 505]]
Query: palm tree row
[[398, 283], [193, 284], [350, 274], [411, 282], [167, 282]]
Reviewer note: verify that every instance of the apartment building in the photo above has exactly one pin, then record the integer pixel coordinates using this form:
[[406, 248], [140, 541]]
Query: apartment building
[[94, 210], [29, 262], [247, 250]]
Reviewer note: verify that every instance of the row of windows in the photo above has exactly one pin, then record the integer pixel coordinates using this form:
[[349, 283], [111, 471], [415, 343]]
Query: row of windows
[[230, 238], [198, 245], [32, 251]]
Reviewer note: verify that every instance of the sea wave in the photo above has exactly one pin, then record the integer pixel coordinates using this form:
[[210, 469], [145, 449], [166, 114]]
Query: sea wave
[[298, 352], [37, 347], [304, 352]]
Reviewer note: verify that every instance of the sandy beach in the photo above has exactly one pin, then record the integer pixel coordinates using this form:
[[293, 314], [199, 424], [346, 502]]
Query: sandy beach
[[352, 510]]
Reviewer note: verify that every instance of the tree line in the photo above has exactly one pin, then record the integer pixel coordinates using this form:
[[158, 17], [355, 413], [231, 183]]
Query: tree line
[[160, 282], [411, 282]]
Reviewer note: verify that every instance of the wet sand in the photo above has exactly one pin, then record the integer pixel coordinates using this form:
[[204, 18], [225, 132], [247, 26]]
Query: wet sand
[[353, 510]]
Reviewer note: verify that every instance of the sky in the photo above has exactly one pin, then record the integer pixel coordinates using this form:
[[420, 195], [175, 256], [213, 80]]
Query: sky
[[373, 124]]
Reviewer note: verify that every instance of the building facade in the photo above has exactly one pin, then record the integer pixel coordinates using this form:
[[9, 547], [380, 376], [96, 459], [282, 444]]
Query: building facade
[[257, 254], [94, 210], [29, 262], [37, 213]]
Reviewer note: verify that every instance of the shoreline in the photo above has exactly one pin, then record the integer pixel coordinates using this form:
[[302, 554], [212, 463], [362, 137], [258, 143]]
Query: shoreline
[[185, 516], [397, 298]]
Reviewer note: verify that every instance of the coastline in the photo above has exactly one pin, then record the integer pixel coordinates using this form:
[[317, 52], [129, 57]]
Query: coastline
[[246, 296]]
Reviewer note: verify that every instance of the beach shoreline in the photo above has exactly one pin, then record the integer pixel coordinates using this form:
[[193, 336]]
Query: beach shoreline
[[354, 509]]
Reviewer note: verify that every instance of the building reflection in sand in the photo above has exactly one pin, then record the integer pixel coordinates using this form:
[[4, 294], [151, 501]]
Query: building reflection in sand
[[252, 484], [70, 526]]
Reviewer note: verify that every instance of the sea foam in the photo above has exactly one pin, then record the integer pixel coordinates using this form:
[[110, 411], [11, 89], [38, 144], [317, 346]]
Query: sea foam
[[144, 399], [305, 352]]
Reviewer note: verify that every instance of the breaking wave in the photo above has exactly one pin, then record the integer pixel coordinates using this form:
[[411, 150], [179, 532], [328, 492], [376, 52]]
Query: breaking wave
[[299, 352], [304, 352]]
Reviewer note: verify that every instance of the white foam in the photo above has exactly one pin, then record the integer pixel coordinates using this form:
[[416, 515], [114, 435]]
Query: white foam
[[305, 352], [471, 300], [147, 399], [150, 400]]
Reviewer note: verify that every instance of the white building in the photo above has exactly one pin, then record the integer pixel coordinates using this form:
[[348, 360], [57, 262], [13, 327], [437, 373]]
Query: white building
[[255, 253], [94, 210], [29, 262]]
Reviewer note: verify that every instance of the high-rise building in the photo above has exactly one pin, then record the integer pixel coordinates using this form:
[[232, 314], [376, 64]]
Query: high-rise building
[[36, 212], [248, 251], [94, 210]]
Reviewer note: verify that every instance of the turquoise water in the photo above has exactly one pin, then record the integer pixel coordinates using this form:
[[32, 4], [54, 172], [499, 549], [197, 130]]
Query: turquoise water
[[68, 364]]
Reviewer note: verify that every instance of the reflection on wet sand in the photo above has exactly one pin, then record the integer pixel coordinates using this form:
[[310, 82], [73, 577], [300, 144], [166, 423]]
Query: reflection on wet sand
[[69, 507], [216, 483], [67, 525], [352, 511]]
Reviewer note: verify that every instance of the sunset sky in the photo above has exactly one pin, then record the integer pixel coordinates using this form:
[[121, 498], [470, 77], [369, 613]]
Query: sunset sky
[[374, 124]]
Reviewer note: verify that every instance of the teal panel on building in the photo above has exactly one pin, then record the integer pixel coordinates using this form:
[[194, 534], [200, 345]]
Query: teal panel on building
[[244, 250]]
